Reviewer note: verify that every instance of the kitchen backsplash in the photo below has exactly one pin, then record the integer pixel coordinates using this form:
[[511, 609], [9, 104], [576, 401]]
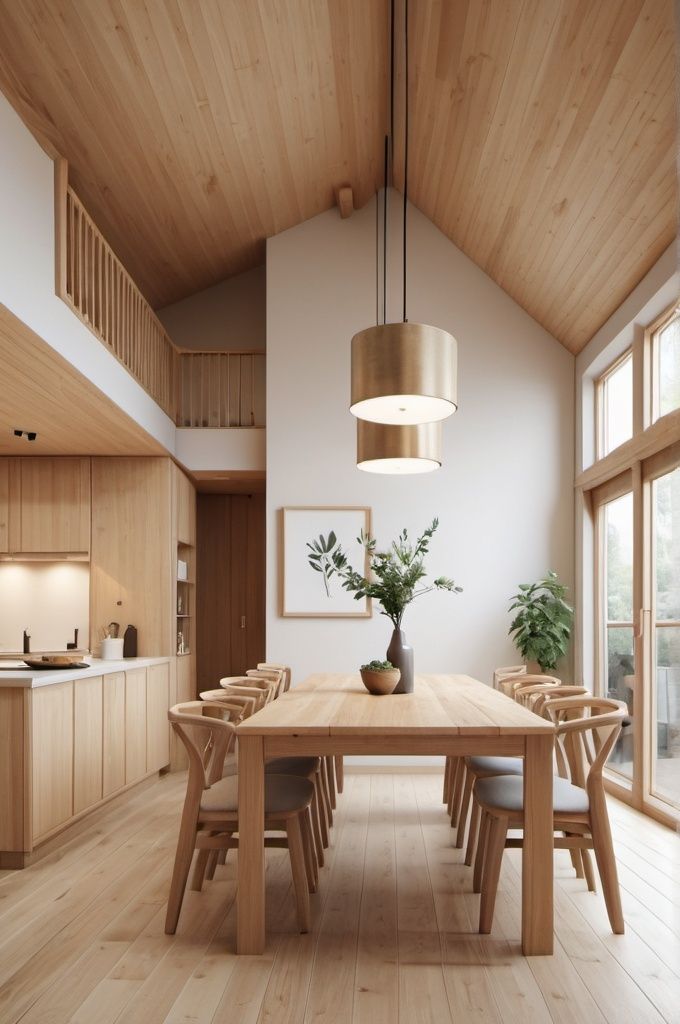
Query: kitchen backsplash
[[48, 599]]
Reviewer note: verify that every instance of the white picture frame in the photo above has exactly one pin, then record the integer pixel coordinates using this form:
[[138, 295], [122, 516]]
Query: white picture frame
[[303, 592]]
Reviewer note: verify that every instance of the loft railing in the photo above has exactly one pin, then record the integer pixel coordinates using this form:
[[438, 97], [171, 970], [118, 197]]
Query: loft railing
[[94, 283], [196, 389], [221, 389]]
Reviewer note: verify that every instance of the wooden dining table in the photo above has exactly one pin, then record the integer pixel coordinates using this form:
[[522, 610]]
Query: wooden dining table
[[447, 715]]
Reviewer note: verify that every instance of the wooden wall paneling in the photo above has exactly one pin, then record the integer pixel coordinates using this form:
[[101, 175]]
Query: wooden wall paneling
[[14, 510], [132, 560], [135, 724], [55, 504], [4, 505], [237, 617], [52, 756], [113, 733], [213, 572], [14, 825], [255, 595], [185, 499], [157, 726], [87, 742]]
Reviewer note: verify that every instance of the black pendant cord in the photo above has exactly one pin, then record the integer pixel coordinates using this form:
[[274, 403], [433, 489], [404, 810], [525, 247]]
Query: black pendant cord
[[405, 318], [387, 151]]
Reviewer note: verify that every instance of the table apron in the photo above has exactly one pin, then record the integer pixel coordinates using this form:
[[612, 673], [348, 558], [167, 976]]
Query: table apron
[[413, 745]]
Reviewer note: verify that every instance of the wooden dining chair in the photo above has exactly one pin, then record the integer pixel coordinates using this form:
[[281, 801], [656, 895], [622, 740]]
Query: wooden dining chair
[[309, 767], [263, 689], [210, 815], [274, 676], [287, 674], [484, 767], [582, 746], [509, 670]]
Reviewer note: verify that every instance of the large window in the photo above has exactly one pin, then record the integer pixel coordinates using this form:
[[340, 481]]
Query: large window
[[666, 356], [615, 405]]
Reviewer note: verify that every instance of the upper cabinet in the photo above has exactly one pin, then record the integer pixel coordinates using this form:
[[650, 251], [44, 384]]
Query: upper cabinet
[[45, 505]]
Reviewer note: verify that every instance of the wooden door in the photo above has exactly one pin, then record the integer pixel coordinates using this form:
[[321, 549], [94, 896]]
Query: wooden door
[[157, 727], [52, 756], [87, 742], [230, 583], [135, 724], [54, 505], [113, 732]]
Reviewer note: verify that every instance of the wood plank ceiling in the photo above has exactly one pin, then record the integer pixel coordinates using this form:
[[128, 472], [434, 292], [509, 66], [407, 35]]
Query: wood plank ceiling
[[542, 131]]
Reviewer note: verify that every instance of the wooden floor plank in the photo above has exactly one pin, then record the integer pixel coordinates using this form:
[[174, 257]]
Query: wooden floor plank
[[393, 938]]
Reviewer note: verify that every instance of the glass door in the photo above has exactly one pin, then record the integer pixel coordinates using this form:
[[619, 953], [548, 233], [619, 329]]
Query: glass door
[[665, 645], [616, 630]]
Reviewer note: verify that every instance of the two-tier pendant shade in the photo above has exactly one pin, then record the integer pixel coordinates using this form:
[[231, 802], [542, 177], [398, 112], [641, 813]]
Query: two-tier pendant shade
[[403, 373], [392, 448]]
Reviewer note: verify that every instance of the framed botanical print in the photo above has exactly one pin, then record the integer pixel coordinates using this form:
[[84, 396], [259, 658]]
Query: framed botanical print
[[309, 586]]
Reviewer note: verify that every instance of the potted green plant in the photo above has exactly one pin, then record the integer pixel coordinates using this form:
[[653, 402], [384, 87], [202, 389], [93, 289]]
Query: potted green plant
[[542, 626], [394, 580], [379, 677]]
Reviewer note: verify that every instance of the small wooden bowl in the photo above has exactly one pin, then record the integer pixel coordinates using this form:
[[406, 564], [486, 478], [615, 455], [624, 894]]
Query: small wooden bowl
[[382, 682]]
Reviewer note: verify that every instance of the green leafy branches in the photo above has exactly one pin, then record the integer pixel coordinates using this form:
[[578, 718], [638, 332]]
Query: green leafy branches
[[542, 626], [395, 577]]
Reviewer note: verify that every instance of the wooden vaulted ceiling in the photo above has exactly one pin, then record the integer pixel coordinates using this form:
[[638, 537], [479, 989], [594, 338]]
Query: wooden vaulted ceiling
[[542, 134]]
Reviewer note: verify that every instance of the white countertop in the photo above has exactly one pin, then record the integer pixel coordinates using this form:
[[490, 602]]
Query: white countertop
[[12, 674]]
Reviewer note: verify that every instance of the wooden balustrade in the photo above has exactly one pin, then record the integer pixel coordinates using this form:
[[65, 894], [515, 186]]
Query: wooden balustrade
[[196, 389], [94, 283], [221, 389]]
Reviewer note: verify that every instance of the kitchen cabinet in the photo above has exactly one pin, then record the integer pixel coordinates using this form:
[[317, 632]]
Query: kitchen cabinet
[[113, 733], [51, 757], [87, 743], [135, 725], [4, 506], [52, 513], [157, 727]]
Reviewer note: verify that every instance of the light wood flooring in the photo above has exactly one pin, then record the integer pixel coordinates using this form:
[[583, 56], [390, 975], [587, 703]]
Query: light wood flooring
[[81, 932]]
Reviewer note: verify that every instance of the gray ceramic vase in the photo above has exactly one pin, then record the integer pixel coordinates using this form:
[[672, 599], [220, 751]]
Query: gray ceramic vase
[[401, 655]]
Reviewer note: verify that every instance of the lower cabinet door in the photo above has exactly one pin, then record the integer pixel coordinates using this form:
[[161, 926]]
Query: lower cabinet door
[[114, 733], [51, 757], [135, 724], [87, 743], [157, 728]]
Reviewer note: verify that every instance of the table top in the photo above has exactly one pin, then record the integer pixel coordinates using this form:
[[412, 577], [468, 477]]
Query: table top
[[330, 704]]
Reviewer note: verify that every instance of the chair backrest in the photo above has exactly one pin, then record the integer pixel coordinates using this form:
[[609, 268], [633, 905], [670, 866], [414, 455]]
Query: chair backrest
[[503, 673], [240, 706], [525, 693], [272, 675], [512, 684], [287, 673], [586, 730], [208, 737], [263, 689], [543, 694]]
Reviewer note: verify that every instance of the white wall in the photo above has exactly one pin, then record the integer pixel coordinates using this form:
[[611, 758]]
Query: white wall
[[49, 600], [237, 448], [504, 494], [230, 316], [27, 275]]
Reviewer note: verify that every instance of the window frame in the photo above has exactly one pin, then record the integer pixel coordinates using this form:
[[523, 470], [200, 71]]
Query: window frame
[[601, 404], [652, 384]]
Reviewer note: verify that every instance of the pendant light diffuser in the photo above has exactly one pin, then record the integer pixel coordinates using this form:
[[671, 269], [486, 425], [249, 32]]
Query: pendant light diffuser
[[403, 373], [386, 448]]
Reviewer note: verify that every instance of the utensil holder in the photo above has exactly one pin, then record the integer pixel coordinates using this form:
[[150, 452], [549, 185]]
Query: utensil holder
[[111, 649]]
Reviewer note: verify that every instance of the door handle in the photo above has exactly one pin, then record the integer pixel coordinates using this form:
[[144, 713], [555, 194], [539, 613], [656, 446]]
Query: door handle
[[243, 622], [639, 630]]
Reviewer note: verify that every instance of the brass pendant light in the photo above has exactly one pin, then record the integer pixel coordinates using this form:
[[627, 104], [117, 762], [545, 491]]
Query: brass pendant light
[[402, 373], [386, 448]]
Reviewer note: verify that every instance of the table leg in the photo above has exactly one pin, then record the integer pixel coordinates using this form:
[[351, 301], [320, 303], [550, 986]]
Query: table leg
[[537, 855], [250, 937]]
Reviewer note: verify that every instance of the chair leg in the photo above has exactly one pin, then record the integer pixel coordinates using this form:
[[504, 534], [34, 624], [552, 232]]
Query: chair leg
[[180, 872], [481, 852], [340, 772], [493, 857], [330, 765], [464, 809], [222, 856], [588, 870], [297, 864], [323, 814], [461, 777], [199, 870], [327, 791], [472, 834], [316, 824], [448, 766], [576, 859], [311, 867], [606, 865]]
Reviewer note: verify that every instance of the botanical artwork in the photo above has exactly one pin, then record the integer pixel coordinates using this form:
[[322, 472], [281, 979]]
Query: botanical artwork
[[313, 539]]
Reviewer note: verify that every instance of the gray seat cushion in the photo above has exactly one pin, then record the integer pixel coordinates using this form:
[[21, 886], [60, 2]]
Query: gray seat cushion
[[283, 794], [505, 792], [497, 765], [303, 766]]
